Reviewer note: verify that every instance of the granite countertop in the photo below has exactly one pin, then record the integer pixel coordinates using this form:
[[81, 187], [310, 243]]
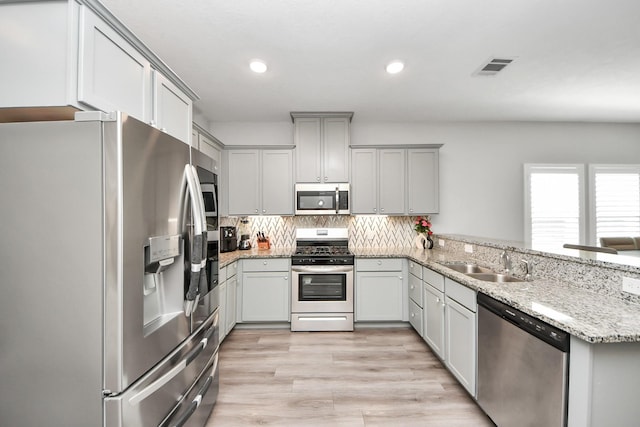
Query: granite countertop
[[227, 258], [585, 314]]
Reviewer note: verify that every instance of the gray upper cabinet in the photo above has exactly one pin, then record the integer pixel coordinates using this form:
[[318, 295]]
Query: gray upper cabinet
[[277, 182], [378, 181], [260, 182], [422, 181], [172, 109], [322, 146], [364, 188], [394, 181], [391, 181], [112, 74], [93, 62], [243, 172]]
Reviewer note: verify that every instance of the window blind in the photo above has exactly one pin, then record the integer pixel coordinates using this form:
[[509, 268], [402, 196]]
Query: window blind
[[617, 201], [555, 205]]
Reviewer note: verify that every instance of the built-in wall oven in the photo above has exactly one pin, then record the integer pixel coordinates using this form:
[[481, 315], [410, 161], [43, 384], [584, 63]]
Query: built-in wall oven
[[322, 281]]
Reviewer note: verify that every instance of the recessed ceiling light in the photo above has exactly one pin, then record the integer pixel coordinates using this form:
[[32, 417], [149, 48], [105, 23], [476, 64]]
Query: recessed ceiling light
[[395, 67], [258, 66]]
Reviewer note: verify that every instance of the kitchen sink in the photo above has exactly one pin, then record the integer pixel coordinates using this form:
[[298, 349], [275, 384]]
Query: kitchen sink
[[467, 268], [494, 277], [480, 273]]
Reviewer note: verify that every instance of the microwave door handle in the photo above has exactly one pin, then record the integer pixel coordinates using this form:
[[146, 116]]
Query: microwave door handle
[[337, 199]]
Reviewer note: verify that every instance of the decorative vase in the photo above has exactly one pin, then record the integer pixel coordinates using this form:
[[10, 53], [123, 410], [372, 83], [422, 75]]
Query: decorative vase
[[420, 241], [428, 243]]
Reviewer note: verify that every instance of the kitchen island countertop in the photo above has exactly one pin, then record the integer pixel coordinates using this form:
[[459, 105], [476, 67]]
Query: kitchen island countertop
[[585, 314]]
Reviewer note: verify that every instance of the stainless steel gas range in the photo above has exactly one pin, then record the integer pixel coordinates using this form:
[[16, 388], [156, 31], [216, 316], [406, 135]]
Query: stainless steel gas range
[[322, 281]]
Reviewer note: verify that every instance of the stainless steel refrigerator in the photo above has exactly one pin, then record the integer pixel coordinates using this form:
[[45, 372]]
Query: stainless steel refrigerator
[[107, 317]]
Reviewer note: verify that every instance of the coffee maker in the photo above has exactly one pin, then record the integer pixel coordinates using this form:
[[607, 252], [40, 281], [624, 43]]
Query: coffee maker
[[228, 239], [245, 242]]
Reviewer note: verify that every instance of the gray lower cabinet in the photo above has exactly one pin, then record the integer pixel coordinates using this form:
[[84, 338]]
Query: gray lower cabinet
[[461, 333], [230, 301], [222, 313], [266, 290], [434, 310], [380, 290], [227, 290], [416, 298]]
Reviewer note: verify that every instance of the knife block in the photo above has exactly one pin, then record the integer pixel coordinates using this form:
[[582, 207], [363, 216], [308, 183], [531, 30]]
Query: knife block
[[264, 244]]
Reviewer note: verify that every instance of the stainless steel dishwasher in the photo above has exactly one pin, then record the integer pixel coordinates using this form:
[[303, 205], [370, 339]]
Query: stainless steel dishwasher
[[522, 367]]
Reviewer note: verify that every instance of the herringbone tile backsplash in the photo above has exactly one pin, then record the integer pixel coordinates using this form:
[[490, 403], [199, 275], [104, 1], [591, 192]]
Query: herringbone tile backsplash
[[364, 231]]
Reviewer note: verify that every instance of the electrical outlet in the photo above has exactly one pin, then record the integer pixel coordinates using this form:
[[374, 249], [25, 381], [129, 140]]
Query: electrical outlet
[[468, 249], [441, 243], [631, 285]]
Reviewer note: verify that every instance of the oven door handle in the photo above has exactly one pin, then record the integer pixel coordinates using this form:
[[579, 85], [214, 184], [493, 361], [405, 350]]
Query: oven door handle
[[322, 269]]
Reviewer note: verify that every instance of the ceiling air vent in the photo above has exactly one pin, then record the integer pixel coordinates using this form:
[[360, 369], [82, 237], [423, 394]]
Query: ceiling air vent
[[493, 66]]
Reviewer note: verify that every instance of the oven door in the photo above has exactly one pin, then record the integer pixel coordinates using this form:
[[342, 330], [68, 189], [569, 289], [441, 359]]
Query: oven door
[[317, 289]]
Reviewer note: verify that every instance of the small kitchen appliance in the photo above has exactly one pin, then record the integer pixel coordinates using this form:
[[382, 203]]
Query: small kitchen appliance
[[322, 281], [245, 242], [228, 239]]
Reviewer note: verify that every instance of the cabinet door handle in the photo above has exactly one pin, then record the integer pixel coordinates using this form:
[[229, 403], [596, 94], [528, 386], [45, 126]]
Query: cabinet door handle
[[374, 209], [264, 262], [412, 287], [400, 277], [256, 210], [264, 211], [381, 209], [286, 278], [326, 179], [318, 178]]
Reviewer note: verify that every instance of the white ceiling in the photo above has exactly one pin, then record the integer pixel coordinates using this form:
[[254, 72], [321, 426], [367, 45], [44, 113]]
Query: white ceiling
[[577, 60]]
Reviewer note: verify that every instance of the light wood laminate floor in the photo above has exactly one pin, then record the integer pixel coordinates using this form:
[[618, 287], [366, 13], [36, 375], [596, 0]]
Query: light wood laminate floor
[[370, 377]]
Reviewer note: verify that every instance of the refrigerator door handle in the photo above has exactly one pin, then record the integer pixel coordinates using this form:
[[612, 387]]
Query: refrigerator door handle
[[159, 383], [203, 220], [198, 273], [196, 400]]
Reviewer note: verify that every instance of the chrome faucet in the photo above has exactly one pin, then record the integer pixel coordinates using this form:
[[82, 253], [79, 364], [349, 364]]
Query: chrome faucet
[[528, 266], [505, 259]]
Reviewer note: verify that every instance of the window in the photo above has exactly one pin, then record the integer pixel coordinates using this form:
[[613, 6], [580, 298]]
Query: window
[[554, 205], [615, 201]]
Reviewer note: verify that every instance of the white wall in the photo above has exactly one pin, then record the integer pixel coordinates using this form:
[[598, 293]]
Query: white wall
[[253, 133], [481, 164]]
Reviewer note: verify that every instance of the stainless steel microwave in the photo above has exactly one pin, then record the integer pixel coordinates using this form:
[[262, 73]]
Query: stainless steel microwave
[[322, 199]]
